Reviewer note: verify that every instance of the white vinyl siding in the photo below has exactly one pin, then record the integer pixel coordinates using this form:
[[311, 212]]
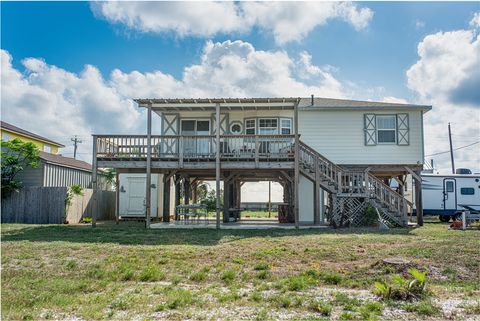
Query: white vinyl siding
[[386, 129], [339, 136]]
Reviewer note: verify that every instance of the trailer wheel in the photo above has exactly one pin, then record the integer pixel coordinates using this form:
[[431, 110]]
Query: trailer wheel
[[444, 218]]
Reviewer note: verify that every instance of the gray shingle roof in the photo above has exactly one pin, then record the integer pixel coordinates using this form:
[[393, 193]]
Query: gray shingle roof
[[346, 103], [65, 161]]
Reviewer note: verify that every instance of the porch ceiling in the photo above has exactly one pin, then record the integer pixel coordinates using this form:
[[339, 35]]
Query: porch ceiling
[[207, 104]]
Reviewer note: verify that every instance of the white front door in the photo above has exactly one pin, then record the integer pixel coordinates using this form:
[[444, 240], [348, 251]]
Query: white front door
[[449, 194], [136, 198]]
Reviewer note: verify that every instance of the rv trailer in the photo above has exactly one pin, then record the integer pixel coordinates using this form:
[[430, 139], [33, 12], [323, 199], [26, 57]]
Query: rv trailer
[[448, 195]]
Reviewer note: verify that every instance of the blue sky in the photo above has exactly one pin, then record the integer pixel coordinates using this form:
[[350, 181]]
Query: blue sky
[[364, 50], [68, 35]]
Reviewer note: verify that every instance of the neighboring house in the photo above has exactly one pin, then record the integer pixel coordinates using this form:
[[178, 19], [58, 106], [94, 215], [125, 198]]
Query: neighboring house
[[10, 132], [54, 170], [333, 157]]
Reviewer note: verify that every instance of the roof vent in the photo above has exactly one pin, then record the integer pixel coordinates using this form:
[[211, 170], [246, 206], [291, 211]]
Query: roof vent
[[312, 100]]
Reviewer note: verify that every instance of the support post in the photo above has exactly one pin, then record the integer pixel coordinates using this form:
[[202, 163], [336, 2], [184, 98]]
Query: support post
[[94, 182], [297, 166], [148, 187], [418, 200], [226, 201], [166, 198], [117, 198], [316, 195], [217, 163], [186, 190]]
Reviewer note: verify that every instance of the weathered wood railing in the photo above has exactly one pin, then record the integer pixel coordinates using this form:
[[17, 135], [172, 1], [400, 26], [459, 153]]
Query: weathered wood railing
[[361, 184], [188, 147]]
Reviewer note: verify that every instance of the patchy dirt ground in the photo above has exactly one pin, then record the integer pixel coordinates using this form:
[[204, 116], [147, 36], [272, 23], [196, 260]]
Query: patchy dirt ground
[[125, 272]]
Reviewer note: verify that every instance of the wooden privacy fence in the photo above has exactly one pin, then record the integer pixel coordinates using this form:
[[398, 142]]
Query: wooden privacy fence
[[46, 205]]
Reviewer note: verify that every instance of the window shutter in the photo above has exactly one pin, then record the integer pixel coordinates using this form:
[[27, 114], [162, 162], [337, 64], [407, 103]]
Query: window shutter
[[402, 129], [370, 129]]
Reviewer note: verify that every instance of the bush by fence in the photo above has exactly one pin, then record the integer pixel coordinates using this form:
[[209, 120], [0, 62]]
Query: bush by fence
[[46, 205]]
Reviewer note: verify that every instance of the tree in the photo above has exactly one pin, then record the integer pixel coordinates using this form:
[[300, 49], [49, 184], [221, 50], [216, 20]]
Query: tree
[[110, 175], [16, 156]]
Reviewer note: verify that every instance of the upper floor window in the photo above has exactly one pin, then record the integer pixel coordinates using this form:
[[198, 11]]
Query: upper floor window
[[285, 126], [250, 126], [386, 129], [267, 126], [5, 136], [47, 148]]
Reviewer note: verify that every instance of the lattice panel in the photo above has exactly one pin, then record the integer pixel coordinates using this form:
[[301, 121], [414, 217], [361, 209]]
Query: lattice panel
[[347, 211]]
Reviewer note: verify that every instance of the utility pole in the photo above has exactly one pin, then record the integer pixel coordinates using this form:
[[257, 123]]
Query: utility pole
[[75, 141], [451, 148]]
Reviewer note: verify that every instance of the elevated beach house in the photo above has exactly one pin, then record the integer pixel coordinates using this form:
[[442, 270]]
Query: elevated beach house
[[334, 158]]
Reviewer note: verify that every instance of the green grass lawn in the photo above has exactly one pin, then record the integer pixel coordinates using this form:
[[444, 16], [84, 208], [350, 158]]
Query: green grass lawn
[[75, 272]]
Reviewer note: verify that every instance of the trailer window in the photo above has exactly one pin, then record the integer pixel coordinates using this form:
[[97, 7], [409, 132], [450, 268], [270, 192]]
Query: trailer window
[[449, 187], [467, 191]]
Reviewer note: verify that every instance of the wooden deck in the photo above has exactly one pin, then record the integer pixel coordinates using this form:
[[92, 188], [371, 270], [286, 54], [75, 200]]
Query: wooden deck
[[196, 152]]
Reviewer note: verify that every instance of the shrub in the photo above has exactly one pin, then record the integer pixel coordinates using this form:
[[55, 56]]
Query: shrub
[[199, 276], [331, 277], [296, 283], [400, 288], [179, 298], [322, 307], [263, 275], [425, 308], [228, 276], [71, 264], [370, 217], [370, 310], [151, 273], [262, 266]]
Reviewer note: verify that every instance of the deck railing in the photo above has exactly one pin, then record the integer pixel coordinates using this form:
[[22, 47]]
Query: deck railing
[[196, 147]]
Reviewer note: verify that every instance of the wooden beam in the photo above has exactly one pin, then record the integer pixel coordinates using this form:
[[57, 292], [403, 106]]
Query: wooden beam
[[416, 176], [217, 163], [166, 200], [94, 182], [148, 187], [296, 166], [418, 200], [117, 198], [316, 194]]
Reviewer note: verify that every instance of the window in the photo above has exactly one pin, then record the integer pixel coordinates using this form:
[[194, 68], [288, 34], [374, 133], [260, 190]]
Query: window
[[267, 126], [285, 126], [467, 191], [47, 148], [250, 126], [5, 136], [386, 129], [236, 128], [449, 186]]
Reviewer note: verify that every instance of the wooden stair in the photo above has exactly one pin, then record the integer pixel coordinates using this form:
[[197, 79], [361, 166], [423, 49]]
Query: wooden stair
[[352, 192]]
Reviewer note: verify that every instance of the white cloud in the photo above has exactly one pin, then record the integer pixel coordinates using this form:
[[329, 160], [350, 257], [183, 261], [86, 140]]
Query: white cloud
[[56, 103], [287, 21], [447, 76], [395, 100], [475, 22]]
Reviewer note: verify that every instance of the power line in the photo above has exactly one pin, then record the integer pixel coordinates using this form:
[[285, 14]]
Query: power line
[[454, 149]]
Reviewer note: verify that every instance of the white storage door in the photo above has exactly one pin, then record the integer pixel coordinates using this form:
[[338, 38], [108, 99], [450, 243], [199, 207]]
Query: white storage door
[[132, 195]]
